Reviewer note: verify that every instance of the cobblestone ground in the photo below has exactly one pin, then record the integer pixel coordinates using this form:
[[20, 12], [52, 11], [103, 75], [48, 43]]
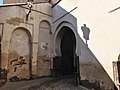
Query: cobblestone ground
[[46, 83]]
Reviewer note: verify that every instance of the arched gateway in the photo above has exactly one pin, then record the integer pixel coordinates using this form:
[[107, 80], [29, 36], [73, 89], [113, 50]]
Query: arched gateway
[[65, 49]]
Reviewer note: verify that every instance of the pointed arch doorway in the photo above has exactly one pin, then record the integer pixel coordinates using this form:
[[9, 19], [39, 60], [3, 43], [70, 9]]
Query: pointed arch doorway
[[65, 48]]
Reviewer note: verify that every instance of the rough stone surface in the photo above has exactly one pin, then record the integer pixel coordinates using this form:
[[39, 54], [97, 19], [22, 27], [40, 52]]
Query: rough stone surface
[[46, 83]]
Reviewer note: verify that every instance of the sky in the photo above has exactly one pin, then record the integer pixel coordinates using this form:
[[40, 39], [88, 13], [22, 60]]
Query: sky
[[1, 1]]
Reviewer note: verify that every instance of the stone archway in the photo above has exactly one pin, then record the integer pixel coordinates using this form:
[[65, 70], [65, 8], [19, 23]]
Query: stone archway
[[65, 46], [68, 47], [20, 54]]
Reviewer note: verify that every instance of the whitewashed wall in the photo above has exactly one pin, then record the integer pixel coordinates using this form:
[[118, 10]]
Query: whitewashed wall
[[104, 35]]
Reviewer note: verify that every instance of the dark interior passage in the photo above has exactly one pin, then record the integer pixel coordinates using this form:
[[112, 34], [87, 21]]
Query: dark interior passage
[[65, 64], [68, 44]]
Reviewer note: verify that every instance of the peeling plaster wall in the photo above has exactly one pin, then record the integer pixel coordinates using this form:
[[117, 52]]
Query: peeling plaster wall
[[19, 54], [17, 19], [92, 73], [44, 49]]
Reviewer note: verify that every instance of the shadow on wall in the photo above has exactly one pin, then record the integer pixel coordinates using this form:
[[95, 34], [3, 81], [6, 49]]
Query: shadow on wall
[[93, 75], [86, 32]]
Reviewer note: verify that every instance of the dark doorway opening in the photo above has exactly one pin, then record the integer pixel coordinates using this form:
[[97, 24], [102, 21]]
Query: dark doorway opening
[[65, 64], [68, 51]]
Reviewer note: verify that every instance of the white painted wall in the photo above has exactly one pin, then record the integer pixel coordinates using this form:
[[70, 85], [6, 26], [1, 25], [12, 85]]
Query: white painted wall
[[104, 36]]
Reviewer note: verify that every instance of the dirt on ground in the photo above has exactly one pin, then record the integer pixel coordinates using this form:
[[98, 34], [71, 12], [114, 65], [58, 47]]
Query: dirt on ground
[[44, 83]]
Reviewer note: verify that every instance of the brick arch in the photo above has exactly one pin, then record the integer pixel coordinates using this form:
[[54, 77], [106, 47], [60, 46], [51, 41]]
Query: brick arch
[[19, 53]]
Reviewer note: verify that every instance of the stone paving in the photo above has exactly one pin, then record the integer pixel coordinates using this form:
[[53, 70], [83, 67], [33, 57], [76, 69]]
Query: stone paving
[[46, 83]]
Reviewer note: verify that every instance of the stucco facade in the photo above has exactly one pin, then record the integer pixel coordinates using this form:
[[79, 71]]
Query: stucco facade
[[30, 47], [18, 31]]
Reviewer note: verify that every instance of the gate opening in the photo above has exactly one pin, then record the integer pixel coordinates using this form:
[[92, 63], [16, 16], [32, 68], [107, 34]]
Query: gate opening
[[68, 51], [64, 64]]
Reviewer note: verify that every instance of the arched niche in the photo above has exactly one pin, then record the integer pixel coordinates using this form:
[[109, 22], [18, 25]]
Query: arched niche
[[44, 48], [20, 53]]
